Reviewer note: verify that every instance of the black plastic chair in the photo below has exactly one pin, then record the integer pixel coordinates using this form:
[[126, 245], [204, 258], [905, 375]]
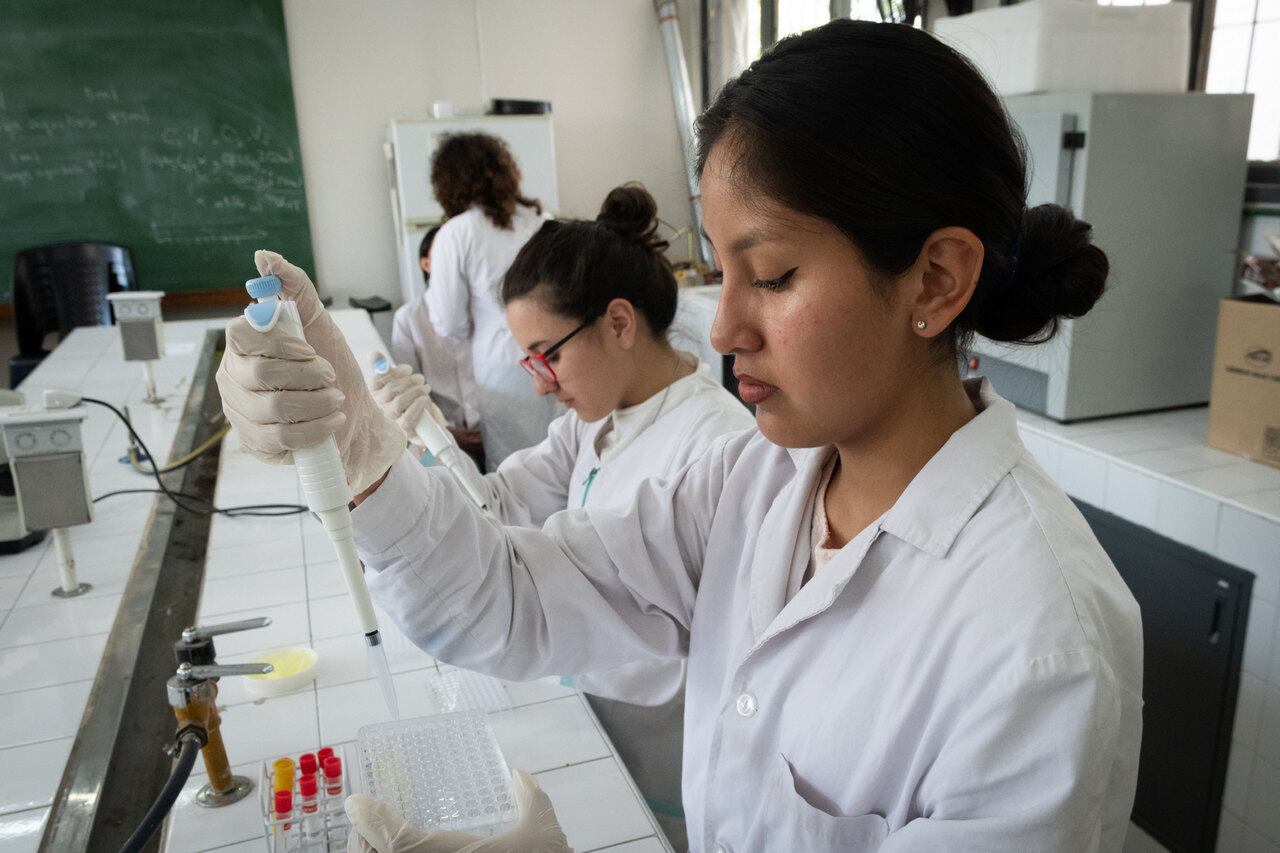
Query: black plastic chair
[[59, 287]]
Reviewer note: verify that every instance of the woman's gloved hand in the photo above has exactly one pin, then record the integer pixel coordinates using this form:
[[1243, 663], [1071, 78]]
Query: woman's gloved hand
[[405, 396], [375, 826], [280, 393]]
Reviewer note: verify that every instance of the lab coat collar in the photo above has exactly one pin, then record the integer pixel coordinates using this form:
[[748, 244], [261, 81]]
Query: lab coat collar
[[939, 502], [929, 514]]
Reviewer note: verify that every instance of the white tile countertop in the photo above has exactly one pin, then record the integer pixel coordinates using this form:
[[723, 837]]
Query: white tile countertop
[[277, 567], [50, 648]]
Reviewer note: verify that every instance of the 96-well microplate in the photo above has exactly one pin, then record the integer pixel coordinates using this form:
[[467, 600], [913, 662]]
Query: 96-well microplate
[[440, 772]]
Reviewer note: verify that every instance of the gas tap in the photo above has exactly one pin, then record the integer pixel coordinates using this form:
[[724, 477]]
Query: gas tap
[[193, 695]]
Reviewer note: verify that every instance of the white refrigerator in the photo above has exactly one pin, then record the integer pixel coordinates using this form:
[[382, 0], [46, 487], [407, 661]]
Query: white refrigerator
[[408, 150]]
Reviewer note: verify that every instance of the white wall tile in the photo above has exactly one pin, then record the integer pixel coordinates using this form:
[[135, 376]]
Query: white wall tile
[[10, 589], [250, 558], [1187, 517], [104, 578], [345, 709], [42, 714], [1045, 451], [1230, 828], [289, 627], [1263, 813], [284, 725], [1132, 495], [548, 735], [1239, 773], [23, 563], [1269, 728], [226, 595], [1267, 503], [595, 804], [72, 617], [47, 664], [1252, 542], [192, 827], [1172, 460], [325, 579], [1136, 840], [1252, 841], [1082, 474], [1257, 639], [31, 774], [20, 832], [1134, 441], [1249, 700], [1235, 479], [227, 531]]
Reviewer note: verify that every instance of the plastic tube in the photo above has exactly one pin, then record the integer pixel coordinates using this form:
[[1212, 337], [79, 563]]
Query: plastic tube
[[168, 795], [440, 444]]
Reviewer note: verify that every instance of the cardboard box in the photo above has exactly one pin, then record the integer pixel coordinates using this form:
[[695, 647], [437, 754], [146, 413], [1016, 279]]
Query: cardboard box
[[1244, 401]]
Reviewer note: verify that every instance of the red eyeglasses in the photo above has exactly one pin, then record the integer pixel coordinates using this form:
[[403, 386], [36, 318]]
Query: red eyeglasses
[[536, 364]]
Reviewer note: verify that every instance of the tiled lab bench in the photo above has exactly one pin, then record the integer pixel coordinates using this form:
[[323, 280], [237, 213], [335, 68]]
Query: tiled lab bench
[[277, 567], [1155, 471], [49, 647]]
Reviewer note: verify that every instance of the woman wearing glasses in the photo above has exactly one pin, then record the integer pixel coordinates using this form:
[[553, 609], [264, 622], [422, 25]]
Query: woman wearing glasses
[[901, 635], [591, 303]]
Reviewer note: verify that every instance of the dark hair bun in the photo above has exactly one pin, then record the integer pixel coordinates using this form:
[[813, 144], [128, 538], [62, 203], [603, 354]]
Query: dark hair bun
[[631, 212], [1059, 273]]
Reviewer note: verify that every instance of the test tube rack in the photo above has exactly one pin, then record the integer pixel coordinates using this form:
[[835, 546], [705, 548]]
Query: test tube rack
[[329, 826]]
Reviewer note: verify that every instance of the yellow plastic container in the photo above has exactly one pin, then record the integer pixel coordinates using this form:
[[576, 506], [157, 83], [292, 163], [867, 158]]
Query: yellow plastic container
[[292, 668]]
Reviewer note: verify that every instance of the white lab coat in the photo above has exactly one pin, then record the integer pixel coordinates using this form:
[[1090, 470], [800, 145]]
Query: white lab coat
[[535, 483], [965, 674], [469, 257], [445, 363]]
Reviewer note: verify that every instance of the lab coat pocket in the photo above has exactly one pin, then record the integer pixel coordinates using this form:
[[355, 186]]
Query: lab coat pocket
[[793, 823]]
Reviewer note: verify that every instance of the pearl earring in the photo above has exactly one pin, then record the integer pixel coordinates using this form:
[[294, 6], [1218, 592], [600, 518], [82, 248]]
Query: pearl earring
[[920, 324]]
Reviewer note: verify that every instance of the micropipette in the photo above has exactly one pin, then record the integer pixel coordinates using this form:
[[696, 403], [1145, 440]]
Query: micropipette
[[440, 444], [324, 483]]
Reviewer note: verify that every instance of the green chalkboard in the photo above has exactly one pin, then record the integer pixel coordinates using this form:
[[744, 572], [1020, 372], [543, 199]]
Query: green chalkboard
[[166, 126]]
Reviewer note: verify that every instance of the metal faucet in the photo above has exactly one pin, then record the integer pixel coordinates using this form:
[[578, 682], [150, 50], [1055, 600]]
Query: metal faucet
[[193, 695]]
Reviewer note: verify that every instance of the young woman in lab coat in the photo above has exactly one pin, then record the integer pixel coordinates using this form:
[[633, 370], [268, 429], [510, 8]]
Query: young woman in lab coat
[[477, 183], [443, 362], [591, 304], [900, 633]]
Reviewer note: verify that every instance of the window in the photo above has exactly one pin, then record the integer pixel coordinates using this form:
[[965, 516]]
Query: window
[[796, 16], [1244, 56]]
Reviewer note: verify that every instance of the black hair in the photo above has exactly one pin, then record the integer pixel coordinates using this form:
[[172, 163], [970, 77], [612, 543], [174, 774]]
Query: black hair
[[424, 249], [579, 266], [890, 135]]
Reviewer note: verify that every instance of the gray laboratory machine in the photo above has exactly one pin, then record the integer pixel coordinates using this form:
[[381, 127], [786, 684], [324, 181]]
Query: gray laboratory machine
[[1161, 178]]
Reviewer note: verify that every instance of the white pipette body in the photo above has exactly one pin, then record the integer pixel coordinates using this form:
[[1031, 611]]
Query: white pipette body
[[440, 444], [320, 471]]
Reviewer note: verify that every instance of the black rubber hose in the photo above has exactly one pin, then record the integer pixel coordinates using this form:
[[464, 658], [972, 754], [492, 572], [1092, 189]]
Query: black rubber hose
[[168, 796]]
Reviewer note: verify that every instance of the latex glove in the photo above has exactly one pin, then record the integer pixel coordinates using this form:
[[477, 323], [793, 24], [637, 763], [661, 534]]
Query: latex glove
[[405, 396], [280, 393], [375, 826]]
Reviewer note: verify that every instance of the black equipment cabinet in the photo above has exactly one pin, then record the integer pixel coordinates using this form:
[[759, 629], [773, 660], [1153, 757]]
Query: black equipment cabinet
[[1194, 613]]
